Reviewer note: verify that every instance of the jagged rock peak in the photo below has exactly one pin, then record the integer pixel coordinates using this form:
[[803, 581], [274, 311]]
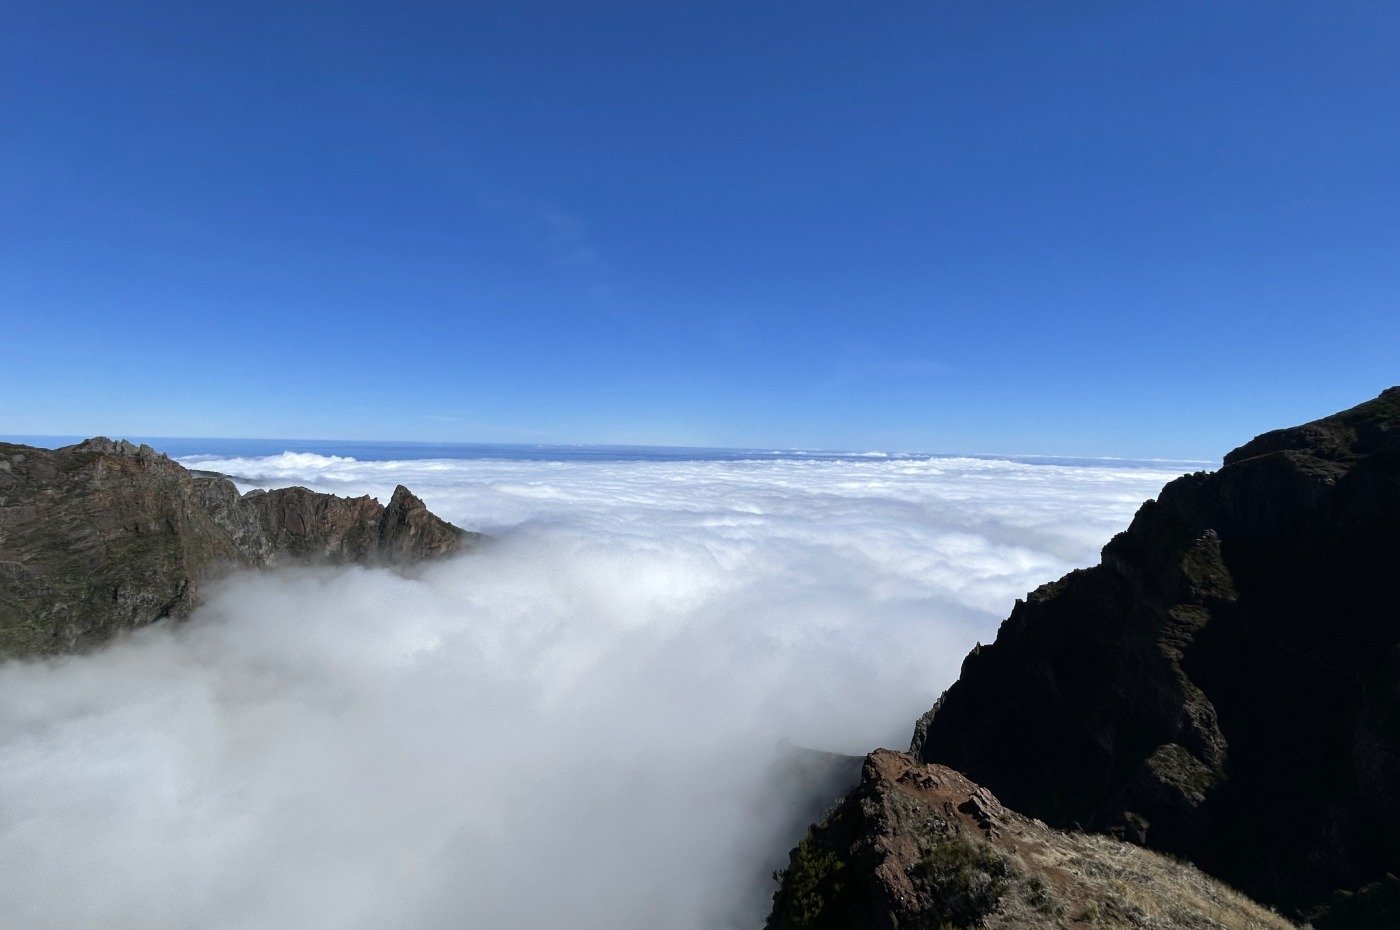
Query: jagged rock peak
[[105, 535], [407, 528]]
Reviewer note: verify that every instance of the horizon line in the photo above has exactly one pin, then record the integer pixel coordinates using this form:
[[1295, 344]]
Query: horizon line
[[765, 451]]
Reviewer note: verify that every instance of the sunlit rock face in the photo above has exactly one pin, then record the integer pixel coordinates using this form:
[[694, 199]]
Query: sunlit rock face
[[105, 536], [1225, 684], [919, 845]]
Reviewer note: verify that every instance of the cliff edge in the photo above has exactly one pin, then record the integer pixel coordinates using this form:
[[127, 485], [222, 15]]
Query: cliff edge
[[104, 536], [1225, 684], [920, 846]]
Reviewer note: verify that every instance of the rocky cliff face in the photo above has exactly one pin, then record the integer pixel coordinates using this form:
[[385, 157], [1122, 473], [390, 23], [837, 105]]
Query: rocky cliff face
[[104, 536], [1225, 685], [919, 847]]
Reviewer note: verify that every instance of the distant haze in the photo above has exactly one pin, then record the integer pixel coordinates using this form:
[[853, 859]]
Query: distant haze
[[575, 727]]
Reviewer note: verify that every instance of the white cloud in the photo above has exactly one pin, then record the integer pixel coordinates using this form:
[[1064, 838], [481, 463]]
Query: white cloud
[[572, 728]]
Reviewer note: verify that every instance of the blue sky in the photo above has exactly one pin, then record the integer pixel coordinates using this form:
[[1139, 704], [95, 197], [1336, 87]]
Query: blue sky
[[1085, 228]]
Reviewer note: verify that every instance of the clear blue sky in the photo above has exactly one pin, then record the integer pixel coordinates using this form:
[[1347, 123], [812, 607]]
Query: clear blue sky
[[1079, 228]]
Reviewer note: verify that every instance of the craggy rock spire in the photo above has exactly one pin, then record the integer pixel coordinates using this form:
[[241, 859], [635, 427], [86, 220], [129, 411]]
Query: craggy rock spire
[[407, 529], [104, 536]]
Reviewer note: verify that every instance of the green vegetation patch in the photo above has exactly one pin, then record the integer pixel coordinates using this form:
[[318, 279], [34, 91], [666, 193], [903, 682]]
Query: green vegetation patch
[[965, 881], [809, 885], [1175, 765]]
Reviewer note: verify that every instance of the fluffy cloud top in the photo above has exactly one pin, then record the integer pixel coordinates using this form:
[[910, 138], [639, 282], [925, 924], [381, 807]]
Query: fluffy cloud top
[[575, 727]]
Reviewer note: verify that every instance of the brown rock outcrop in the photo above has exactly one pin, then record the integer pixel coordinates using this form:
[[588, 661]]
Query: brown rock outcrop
[[104, 536], [921, 846]]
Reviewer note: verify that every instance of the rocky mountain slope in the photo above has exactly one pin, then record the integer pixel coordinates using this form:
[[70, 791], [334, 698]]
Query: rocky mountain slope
[[1225, 685], [104, 536], [920, 846]]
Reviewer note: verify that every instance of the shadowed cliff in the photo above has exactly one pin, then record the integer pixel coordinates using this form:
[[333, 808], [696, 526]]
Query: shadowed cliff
[[1225, 685], [105, 536]]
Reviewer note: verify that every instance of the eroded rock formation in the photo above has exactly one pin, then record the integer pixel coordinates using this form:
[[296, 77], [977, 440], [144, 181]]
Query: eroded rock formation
[[104, 536]]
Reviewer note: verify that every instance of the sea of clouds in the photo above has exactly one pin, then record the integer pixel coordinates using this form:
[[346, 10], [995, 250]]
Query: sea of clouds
[[580, 725]]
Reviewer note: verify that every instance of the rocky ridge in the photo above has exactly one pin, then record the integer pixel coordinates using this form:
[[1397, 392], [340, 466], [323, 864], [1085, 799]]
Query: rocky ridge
[[104, 536], [921, 846]]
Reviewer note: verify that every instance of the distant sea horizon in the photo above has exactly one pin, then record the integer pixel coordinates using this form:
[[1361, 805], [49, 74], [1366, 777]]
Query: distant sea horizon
[[379, 451]]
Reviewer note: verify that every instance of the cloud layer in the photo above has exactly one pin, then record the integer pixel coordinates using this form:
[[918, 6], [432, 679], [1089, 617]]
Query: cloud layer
[[577, 727]]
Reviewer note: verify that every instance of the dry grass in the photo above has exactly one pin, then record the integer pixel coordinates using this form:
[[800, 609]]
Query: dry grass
[[920, 846], [1111, 884]]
